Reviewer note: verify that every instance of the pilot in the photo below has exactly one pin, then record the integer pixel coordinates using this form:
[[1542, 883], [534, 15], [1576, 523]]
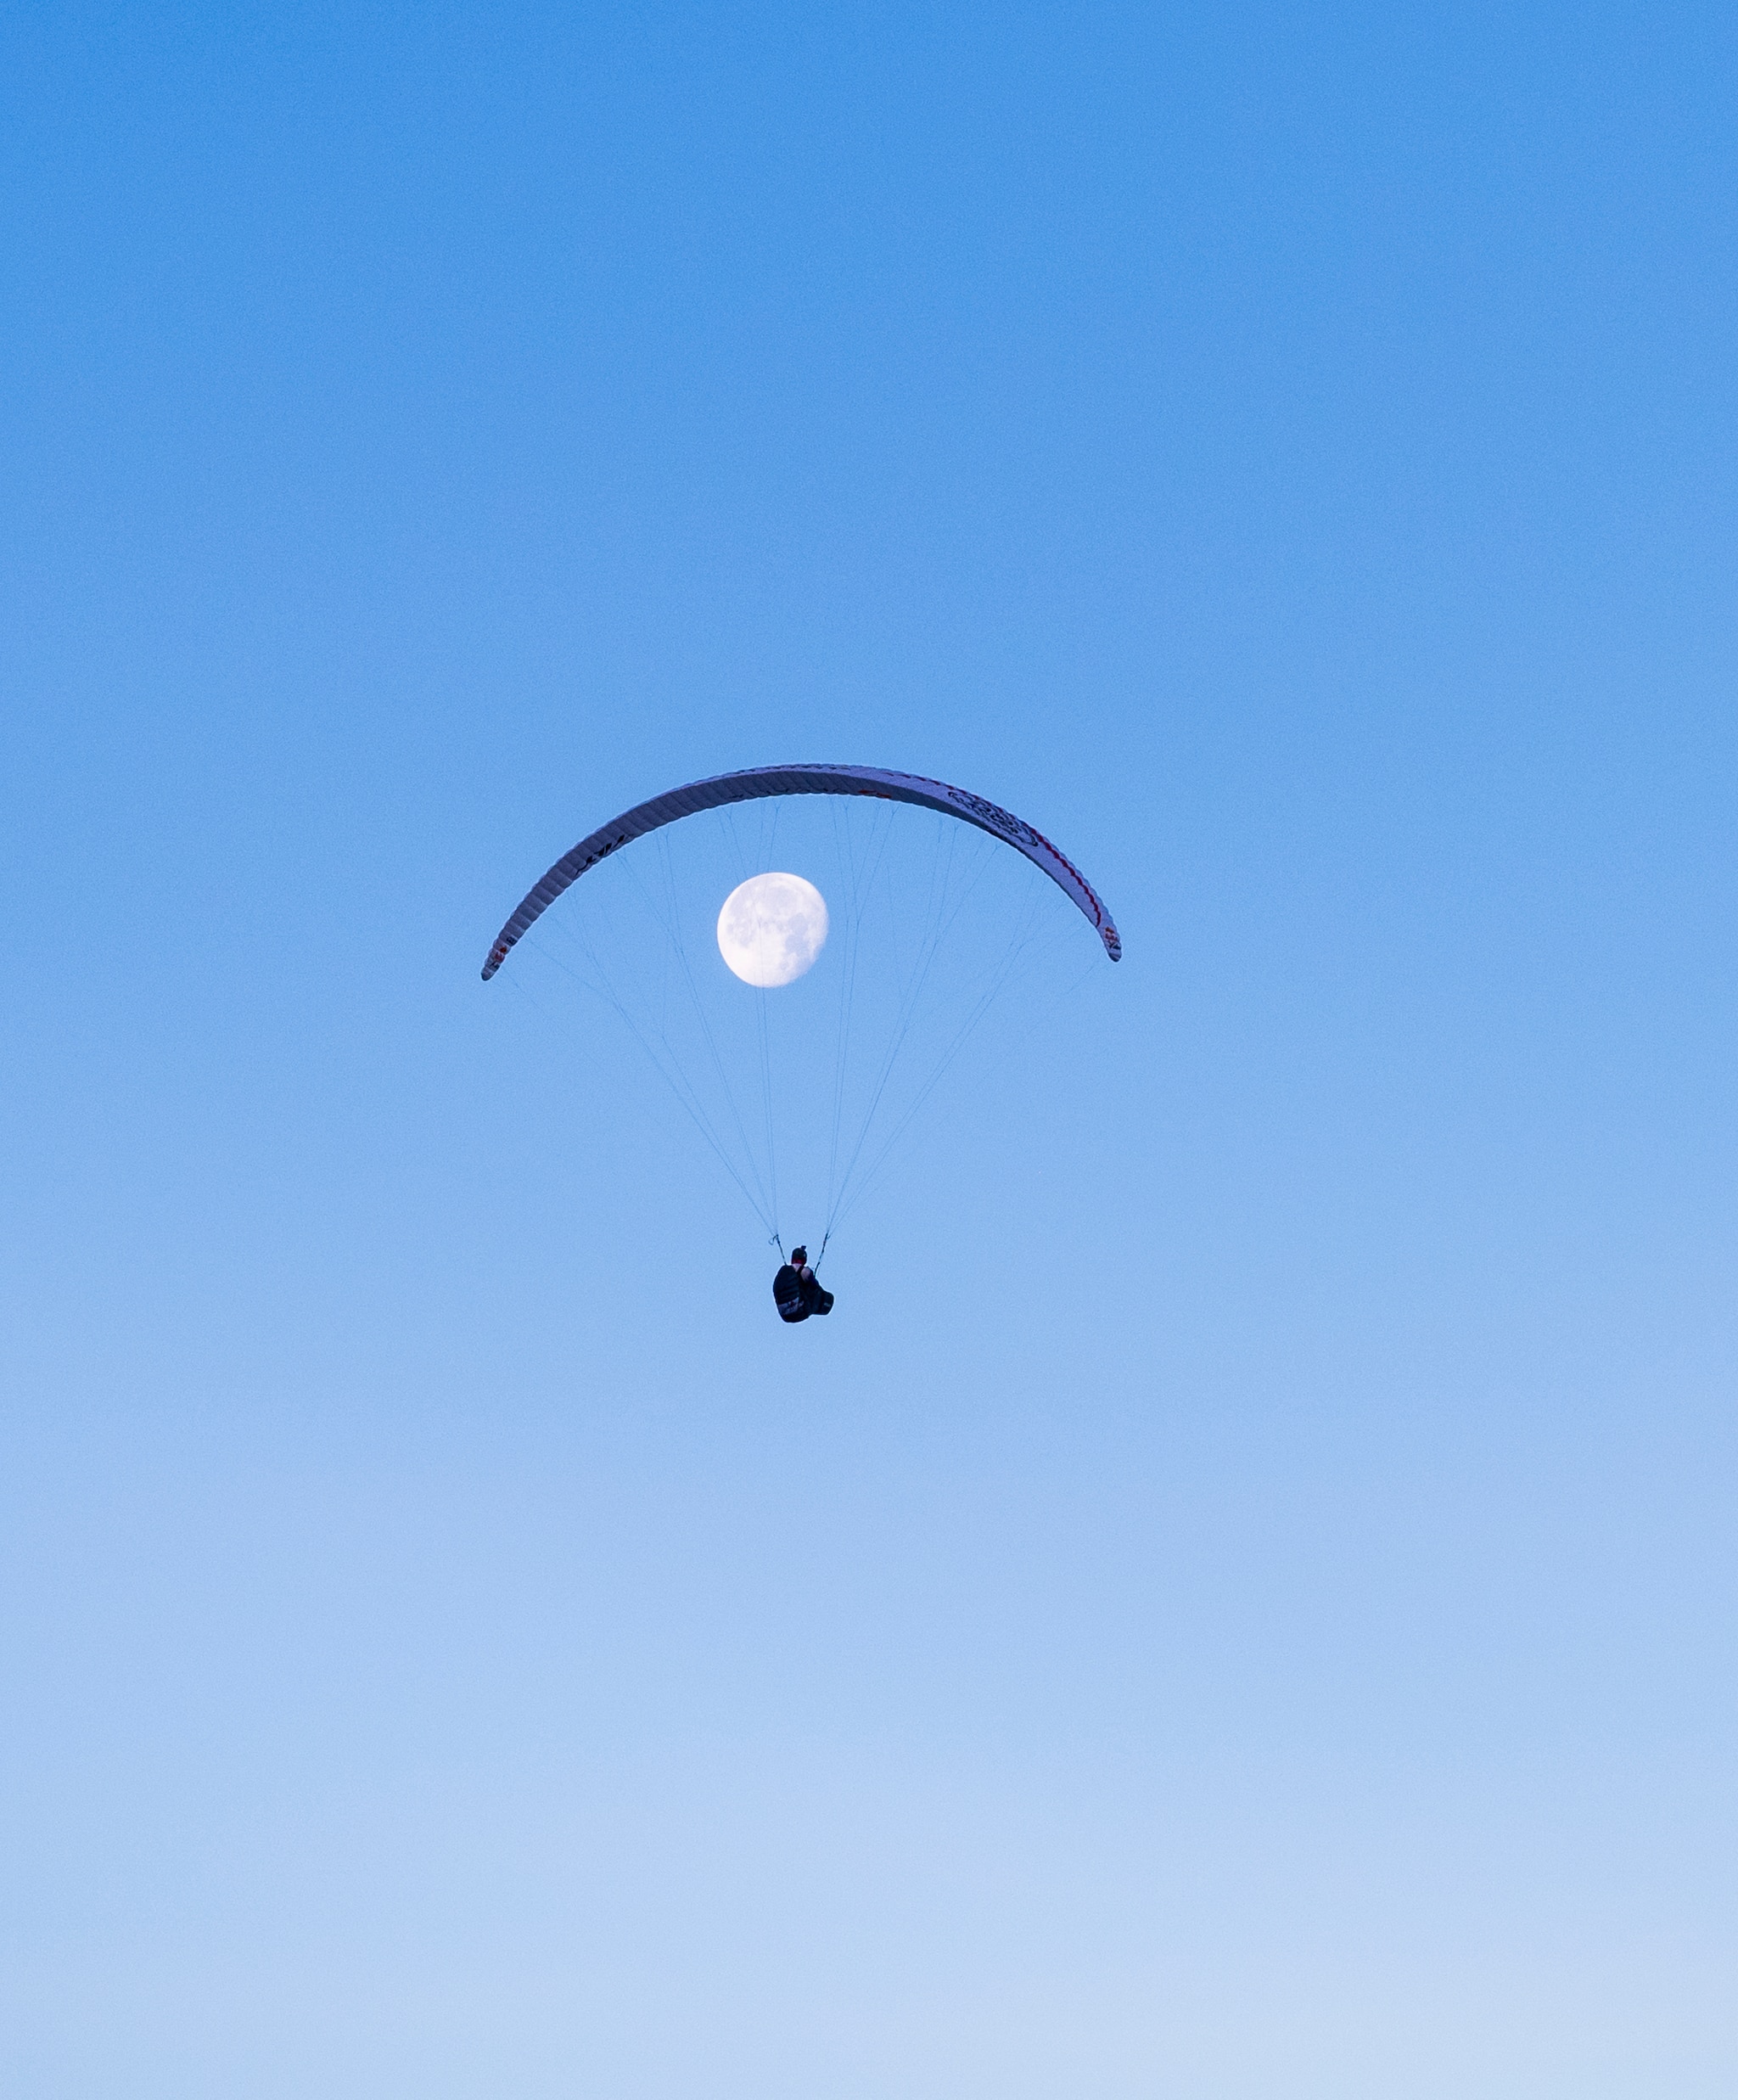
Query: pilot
[[796, 1289]]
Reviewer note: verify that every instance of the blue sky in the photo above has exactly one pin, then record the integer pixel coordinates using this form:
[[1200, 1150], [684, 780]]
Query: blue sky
[[1266, 1625]]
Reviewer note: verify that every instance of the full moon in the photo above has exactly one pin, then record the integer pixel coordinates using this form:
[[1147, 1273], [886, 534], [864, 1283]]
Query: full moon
[[771, 928]]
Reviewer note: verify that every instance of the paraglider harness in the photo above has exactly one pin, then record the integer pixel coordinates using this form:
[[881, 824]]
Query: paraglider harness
[[796, 1289]]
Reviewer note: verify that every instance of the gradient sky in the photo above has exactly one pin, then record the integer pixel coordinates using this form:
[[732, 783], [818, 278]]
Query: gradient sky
[[1266, 1625]]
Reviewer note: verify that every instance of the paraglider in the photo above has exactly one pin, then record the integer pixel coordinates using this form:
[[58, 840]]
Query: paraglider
[[797, 1292], [902, 1014]]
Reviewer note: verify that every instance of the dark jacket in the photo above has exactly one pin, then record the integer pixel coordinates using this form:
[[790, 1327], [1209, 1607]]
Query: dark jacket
[[788, 1295]]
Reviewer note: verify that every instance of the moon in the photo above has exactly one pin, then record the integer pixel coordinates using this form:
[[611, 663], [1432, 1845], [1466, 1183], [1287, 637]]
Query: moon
[[771, 929]]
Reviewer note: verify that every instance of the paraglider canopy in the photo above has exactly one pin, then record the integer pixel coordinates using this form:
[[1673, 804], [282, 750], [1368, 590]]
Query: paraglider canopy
[[804, 1043], [759, 782]]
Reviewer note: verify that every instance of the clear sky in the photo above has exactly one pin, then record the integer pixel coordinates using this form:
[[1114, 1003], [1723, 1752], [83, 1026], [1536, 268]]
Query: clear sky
[[1262, 1620]]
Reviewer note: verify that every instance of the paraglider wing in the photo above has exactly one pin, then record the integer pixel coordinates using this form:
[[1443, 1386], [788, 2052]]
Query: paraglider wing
[[762, 781]]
